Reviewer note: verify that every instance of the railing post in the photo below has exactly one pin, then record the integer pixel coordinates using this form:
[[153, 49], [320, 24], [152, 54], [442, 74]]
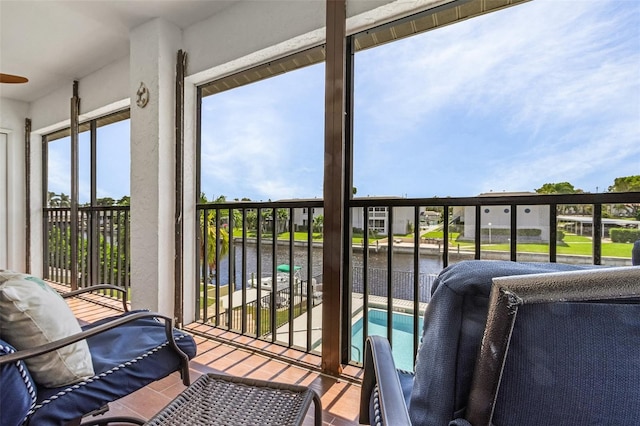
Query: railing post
[[73, 262], [178, 308], [597, 233], [27, 190], [553, 232], [334, 178]]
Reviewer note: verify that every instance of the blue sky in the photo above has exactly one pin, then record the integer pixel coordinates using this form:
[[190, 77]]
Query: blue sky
[[547, 91], [113, 165]]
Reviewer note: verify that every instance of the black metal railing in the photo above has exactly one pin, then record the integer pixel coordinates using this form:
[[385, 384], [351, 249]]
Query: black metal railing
[[398, 246], [102, 250], [255, 260], [395, 234], [396, 254]]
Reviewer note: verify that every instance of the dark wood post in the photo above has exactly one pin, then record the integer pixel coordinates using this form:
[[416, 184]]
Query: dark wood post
[[334, 178]]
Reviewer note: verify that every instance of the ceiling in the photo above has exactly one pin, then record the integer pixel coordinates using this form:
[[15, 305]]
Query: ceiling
[[54, 42]]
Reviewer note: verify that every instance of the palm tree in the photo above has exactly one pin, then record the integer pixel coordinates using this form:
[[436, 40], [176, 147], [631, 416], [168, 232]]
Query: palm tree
[[318, 223], [252, 220], [283, 217], [65, 200], [222, 244]]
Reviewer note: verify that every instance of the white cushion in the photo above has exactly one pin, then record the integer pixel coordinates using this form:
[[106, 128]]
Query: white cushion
[[33, 314]]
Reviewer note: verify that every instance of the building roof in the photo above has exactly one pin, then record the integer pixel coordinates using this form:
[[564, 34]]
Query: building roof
[[605, 221]]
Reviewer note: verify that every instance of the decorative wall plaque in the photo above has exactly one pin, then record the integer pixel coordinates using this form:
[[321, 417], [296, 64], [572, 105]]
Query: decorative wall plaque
[[143, 96]]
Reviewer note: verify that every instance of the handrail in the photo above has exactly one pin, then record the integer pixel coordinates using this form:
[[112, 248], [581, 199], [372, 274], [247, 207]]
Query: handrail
[[99, 287]]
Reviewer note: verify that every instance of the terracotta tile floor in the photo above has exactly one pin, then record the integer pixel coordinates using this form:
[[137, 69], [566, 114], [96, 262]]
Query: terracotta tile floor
[[340, 397]]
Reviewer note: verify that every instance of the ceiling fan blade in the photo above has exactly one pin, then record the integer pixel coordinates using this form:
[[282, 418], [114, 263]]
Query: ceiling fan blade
[[9, 78]]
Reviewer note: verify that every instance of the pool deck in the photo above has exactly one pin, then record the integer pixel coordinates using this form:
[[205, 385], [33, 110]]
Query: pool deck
[[300, 322]]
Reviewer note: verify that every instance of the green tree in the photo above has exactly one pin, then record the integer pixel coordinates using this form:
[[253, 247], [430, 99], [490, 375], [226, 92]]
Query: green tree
[[283, 220], [563, 188], [65, 200], [558, 188], [58, 200], [105, 202], [318, 223], [252, 220], [627, 184], [124, 201], [209, 223], [223, 243], [53, 200]]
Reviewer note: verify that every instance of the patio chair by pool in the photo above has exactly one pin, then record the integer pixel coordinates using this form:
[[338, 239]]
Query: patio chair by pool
[[573, 362], [54, 372]]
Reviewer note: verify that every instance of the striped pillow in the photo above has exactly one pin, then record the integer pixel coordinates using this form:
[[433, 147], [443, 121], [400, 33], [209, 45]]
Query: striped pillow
[[33, 314], [17, 392]]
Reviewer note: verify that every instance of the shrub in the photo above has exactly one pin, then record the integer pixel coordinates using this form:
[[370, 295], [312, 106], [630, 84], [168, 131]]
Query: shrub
[[529, 232], [624, 235], [524, 232]]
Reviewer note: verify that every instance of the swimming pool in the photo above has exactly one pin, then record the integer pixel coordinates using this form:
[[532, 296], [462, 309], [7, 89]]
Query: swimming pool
[[402, 336]]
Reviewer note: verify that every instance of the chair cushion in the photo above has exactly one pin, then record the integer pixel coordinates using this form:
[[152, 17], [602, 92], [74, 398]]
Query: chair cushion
[[454, 322], [17, 390], [580, 363], [125, 359], [33, 314]]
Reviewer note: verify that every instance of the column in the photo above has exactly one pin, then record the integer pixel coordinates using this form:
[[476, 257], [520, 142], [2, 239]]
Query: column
[[152, 69]]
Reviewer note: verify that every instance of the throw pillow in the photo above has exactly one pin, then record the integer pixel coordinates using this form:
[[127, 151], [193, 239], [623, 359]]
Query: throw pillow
[[33, 314], [17, 392]]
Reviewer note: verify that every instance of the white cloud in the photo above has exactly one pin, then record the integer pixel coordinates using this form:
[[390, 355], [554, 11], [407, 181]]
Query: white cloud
[[553, 85], [254, 140], [575, 164]]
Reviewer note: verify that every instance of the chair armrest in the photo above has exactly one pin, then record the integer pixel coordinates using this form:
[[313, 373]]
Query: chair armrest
[[379, 369], [99, 287], [52, 346]]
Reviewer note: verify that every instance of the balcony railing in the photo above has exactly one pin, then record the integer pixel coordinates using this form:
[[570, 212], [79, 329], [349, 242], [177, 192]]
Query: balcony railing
[[393, 260], [102, 246], [260, 264]]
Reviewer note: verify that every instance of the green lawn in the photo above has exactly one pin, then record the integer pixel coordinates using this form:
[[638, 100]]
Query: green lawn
[[440, 235], [300, 236], [572, 245]]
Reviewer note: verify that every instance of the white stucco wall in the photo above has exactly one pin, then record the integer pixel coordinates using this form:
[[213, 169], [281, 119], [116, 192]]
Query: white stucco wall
[[531, 217], [153, 58]]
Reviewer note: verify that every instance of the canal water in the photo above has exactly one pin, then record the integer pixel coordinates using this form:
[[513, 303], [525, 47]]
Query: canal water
[[377, 276]]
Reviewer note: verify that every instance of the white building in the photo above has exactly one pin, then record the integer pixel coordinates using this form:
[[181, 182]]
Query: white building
[[497, 218], [378, 218]]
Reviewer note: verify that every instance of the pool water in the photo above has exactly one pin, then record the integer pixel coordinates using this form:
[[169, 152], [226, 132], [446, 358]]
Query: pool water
[[402, 336]]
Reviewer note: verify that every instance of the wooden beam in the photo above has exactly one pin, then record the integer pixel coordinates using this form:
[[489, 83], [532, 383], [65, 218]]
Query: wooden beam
[[181, 65], [75, 119], [334, 178], [27, 190]]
